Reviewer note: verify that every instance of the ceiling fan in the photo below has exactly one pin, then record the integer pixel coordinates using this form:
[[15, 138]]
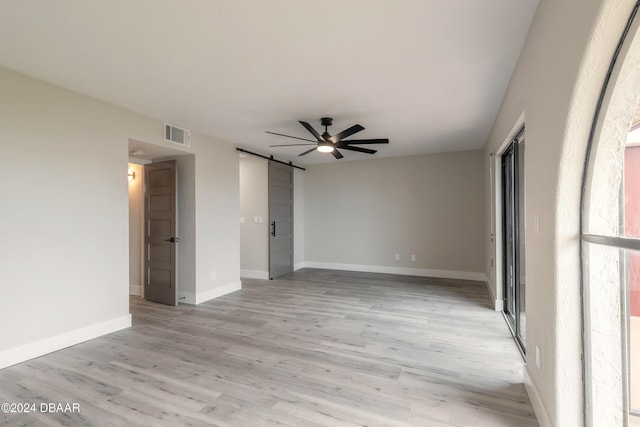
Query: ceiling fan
[[327, 143]]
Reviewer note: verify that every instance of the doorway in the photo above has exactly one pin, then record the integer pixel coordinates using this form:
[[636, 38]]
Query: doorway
[[513, 233], [141, 156], [280, 219]]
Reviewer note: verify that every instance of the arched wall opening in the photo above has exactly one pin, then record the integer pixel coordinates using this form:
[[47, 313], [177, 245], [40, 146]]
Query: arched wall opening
[[610, 243]]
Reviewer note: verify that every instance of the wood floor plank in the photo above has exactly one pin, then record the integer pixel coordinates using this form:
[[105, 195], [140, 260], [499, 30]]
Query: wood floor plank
[[313, 348]]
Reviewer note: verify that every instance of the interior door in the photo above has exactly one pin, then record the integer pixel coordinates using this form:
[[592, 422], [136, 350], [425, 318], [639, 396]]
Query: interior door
[[513, 220], [160, 233], [280, 219]]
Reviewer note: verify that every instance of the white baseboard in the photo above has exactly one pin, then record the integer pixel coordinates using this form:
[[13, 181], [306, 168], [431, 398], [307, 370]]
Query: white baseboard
[[135, 290], [58, 342], [187, 298], [254, 274], [218, 292], [497, 303], [299, 265], [422, 272], [536, 401]]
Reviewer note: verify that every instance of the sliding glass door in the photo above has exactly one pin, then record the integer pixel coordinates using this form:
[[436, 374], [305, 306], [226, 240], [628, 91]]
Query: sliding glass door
[[514, 237]]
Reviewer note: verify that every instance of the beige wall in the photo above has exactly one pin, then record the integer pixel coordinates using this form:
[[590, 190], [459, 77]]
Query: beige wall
[[186, 228], [254, 202], [64, 211], [217, 230], [136, 220], [65, 214], [362, 213], [555, 88]]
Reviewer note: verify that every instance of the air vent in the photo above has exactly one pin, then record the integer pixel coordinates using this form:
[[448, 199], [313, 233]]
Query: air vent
[[176, 134]]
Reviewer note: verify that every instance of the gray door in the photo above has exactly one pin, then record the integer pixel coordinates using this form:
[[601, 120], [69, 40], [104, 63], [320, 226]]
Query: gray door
[[280, 219], [160, 233]]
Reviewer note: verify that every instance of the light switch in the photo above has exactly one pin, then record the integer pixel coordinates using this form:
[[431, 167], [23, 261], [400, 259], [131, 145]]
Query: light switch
[[242, 220]]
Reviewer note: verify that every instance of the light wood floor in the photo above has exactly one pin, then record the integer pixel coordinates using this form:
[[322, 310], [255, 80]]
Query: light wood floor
[[316, 348]]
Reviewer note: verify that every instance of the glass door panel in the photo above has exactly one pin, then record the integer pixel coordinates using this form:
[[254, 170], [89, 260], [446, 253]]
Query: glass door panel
[[513, 209]]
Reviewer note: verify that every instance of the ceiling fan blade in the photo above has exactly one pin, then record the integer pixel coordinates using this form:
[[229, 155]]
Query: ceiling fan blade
[[289, 136], [307, 152], [337, 154], [310, 128], [367, 141], [346, 133], [361, 150], [292, 145]]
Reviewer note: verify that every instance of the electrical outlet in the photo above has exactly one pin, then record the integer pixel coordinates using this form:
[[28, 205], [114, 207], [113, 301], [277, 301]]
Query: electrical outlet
[[397, 257], [213, 275], [538, 357], [413, 258]]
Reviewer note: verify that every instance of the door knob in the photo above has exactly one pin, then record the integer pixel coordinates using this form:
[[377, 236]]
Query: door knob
[[172, 240]]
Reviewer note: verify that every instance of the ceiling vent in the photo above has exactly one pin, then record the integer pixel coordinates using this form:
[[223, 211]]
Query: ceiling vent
[[176, 134]]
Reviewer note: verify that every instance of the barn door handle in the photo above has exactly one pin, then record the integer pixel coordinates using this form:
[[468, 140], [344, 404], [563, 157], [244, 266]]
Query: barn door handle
[[172, 240], [273, 232]]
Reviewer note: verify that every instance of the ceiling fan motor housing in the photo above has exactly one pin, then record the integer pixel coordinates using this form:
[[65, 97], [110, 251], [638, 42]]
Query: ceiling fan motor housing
[[326, 121]]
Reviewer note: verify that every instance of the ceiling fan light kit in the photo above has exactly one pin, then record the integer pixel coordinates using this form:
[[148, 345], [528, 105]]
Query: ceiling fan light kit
[[325, 147], [326, 143]]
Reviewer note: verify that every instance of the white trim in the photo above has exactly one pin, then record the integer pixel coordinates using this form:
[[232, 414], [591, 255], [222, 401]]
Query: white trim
[[58, 342], [520, 123], [536, 401], [186, 298], [496, 220], [218, 292], [254, 274], [135, 290], [138, 161], [498, 304], [422, 272], [299, 266]]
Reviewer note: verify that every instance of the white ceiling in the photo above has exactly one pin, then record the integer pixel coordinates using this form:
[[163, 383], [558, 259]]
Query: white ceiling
[[427, 74]]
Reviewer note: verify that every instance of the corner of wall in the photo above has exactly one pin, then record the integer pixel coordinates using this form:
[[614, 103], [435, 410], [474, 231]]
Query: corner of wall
[[536, 401], [217, 292], [498, 304]]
